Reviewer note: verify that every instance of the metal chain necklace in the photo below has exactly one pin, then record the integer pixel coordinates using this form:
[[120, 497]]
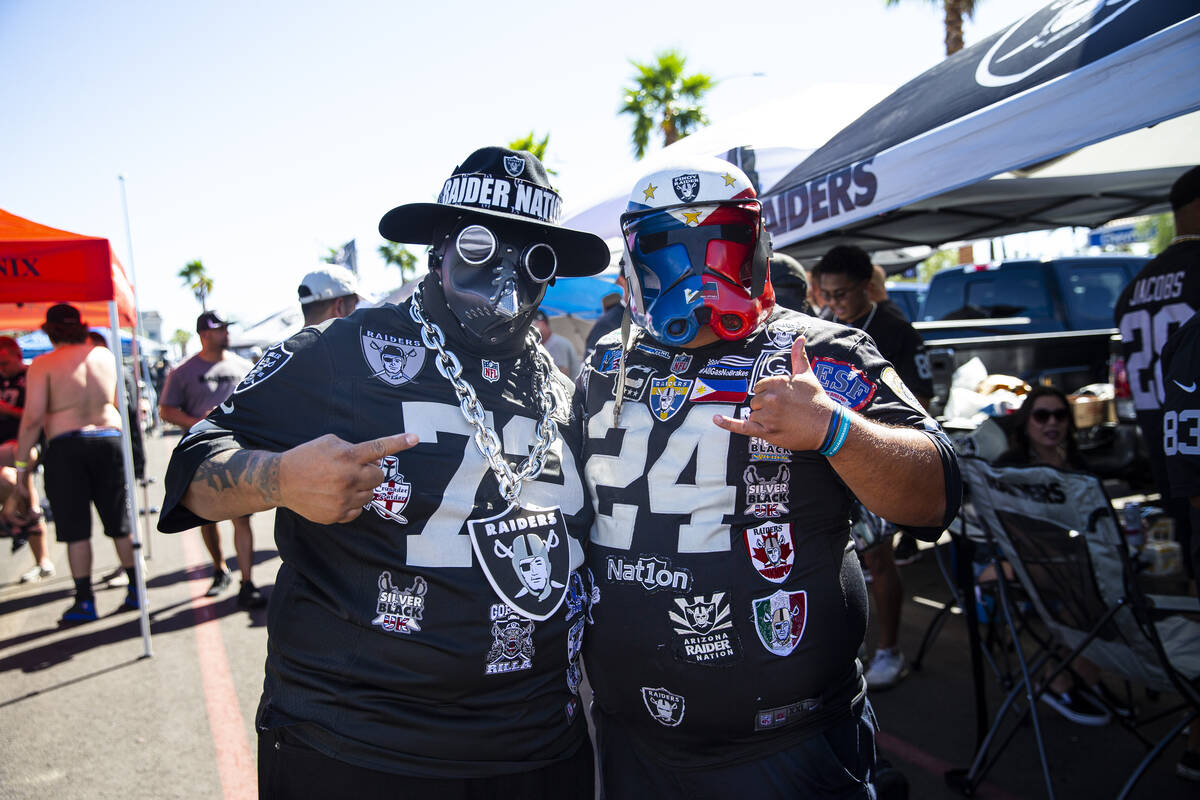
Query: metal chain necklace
[[485, 438]]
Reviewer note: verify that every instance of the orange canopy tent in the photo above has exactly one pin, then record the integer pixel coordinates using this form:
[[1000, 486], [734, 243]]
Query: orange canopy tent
[[40, 266]]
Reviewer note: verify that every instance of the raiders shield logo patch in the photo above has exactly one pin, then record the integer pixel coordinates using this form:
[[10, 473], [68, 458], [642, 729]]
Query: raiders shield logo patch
[[771, 550], [271, 362], [392, 495], [779, 620], [667, 395], [686, 186], [392, 360], [514, 165], [704, 630], [664, 706], [525, 555]]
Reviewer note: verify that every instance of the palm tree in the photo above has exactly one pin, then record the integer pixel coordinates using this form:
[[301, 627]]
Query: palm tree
[[955, 12], [195, 277], [180, 339], [400, 256], [663, 97]]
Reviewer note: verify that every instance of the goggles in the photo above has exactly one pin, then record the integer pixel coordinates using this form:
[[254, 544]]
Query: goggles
[[478, 245]]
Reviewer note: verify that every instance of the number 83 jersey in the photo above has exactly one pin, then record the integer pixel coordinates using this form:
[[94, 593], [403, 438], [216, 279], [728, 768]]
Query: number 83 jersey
[[731, 604]]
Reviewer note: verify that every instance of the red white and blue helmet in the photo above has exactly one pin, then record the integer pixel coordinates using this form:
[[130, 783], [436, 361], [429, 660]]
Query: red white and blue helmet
[[696, 252]]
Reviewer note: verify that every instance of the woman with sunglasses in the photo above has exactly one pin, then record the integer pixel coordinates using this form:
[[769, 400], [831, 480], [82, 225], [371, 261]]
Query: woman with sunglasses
[[1043, 432]]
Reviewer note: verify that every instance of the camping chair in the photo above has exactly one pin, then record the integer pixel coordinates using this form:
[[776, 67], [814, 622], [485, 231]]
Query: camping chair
[[1059, 534]]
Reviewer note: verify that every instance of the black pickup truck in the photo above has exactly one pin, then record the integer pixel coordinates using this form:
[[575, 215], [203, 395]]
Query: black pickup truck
[[1045, 321]]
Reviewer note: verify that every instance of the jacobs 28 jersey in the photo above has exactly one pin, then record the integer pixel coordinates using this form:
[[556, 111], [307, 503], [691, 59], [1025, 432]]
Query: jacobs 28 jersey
[[731, 604], [388, 646]]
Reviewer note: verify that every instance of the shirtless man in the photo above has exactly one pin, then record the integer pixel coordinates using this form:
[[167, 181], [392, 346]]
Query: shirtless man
[[71, 394]]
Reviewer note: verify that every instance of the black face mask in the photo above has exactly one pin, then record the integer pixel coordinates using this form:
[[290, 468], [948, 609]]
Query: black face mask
[[494, 274]]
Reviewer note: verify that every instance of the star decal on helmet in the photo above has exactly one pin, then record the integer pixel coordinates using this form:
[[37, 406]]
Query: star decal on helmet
[[691, 217], [729, 179], [649, 191]]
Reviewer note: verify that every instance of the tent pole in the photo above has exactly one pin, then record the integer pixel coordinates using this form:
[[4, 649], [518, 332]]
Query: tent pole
[[132, 506], [139, 374]]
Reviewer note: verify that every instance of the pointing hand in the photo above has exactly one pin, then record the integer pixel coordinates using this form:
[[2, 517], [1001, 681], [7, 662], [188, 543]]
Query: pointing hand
[[329, 480]]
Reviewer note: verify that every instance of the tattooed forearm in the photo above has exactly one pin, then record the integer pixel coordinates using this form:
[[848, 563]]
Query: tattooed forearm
[[242, 470]]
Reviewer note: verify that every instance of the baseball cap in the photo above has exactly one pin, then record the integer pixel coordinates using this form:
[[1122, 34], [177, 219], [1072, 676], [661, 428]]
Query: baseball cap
[[63, 314], [495, 182], [326, 284], [209, 321]]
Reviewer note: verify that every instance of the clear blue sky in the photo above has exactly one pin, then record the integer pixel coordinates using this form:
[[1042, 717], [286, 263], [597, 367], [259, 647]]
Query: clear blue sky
[[256, 135]]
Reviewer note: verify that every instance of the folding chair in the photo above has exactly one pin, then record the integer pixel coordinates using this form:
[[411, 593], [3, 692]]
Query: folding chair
[[1059, 534]]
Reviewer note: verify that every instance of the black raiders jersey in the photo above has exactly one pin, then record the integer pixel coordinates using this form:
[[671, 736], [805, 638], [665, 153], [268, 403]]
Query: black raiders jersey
[[12, 391], [1163, 296], [899, 343], [388, 646], [731, 604], [1181, 410]]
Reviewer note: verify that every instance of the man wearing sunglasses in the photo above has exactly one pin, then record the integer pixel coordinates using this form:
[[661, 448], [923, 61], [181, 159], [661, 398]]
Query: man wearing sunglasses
[[845, 275], [724, 439], [422, 461]]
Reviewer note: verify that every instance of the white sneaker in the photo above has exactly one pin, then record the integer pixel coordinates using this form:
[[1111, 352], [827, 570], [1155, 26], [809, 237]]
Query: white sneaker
[[888, 668], [43, 570]]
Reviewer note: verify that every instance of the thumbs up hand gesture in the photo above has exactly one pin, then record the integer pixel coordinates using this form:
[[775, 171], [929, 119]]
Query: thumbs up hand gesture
[[329, 480], [792, 412]]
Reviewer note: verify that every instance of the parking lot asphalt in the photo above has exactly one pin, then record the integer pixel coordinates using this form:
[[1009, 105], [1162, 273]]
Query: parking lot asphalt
[[84, 715]]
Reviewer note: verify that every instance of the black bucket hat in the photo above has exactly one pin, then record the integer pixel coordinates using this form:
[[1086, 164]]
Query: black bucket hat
[[511, 185]]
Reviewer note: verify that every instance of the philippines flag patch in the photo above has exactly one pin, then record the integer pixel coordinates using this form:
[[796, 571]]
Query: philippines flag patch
[[720, 390]]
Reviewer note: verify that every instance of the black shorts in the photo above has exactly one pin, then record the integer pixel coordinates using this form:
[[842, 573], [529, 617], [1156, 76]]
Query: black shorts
[[83, 467], [289, 769]]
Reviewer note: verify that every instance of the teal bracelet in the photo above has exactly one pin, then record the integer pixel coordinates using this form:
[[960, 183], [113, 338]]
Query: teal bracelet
[[839, 438]]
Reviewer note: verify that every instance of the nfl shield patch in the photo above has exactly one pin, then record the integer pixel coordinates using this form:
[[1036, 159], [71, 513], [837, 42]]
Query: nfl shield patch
[[392, 495], [525, 556], [681, 362], [779, 620], [771, 550], [664, 706], [271, 362], [843, 382], [491, 370], [667, 395]]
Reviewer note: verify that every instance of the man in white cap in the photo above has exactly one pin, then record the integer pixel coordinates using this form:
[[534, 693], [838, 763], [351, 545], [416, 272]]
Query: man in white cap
[[328, 293]]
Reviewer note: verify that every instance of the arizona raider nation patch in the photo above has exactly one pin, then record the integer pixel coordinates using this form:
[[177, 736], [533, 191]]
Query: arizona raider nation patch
[[391, 496], [512, 644], [524, 554], [665, 707], [779, 620], [843, 382], [271, 362], [399, 610], [393, 360], [704, 630], [772, 550]]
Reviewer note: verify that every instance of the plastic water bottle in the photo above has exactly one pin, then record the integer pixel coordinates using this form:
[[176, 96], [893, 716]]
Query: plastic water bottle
[[1131, 516]]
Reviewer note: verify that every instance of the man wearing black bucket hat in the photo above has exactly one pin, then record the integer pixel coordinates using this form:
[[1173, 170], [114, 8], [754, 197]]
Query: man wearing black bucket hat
[[424, 638]]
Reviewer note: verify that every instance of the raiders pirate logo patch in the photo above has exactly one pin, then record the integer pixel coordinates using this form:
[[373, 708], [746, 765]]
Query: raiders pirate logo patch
[[391, 496], [514, 165], [664, 706], [393, 360], [686, 186], [704, 631], [667, 395], [526, 558], [771, 550], [512, 642], [271, 362], [779, 620]]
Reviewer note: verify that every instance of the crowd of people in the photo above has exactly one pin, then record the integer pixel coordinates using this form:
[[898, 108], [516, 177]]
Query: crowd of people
[[470, 512]]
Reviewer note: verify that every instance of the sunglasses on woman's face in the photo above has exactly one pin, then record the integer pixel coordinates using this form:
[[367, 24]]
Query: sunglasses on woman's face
[[1043, 415]]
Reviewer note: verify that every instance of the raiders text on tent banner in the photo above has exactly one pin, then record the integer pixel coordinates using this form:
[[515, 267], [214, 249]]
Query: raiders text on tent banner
[[510, 195]]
